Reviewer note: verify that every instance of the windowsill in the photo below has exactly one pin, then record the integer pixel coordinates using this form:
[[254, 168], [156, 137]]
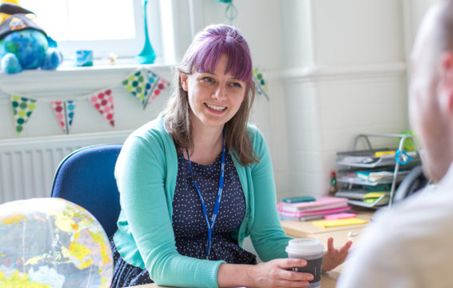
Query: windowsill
[[104, 64]]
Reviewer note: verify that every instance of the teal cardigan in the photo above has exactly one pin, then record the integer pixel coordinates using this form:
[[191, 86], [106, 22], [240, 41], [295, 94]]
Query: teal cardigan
[[146, 176]]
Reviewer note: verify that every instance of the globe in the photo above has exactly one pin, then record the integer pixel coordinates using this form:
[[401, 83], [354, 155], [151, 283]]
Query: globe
[[51, 242]]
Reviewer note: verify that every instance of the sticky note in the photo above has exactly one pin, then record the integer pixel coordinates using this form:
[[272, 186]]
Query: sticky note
[[339, 222]]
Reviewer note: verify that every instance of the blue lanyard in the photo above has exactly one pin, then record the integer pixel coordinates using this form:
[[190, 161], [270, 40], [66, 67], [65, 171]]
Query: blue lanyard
[[215, 212]]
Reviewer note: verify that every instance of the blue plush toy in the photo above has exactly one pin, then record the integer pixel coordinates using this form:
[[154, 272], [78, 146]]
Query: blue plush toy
[[23, 44]]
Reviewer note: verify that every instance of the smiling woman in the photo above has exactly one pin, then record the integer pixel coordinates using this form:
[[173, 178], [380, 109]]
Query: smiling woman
[[198, 180]]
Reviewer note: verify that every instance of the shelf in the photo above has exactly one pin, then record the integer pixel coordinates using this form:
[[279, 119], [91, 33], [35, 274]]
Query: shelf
[[366, 159], [359, 169], [352, 178], [379, 202]]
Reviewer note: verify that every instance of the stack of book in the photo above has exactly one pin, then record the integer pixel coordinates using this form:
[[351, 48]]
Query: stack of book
[[305, 211]]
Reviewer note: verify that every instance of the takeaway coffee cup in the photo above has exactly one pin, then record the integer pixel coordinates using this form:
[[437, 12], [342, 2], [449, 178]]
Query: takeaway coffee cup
[[311, 250]]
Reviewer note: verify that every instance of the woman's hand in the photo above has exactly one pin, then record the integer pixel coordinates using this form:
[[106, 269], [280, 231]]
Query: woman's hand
[[276, 273], [334, 257]]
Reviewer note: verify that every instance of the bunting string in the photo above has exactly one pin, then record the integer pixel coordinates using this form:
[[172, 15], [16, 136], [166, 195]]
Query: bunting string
[[143, 84]]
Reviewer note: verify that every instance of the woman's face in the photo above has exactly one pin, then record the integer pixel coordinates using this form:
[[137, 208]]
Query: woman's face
[[214, 98]]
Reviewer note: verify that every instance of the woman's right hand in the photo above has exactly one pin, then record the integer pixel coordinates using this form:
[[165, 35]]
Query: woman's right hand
[[277, 273]]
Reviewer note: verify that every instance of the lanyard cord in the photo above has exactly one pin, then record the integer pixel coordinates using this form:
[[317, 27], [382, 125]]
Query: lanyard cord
[[209, 223]]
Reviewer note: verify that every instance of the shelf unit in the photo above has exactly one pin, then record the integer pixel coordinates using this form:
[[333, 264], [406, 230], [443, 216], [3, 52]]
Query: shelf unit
[[373, 167]]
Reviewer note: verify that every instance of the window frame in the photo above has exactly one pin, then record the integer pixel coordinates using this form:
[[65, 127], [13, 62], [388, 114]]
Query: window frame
[[126, 48]]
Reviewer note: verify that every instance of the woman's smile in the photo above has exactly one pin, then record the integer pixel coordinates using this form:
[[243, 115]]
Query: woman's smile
[[216, 108]]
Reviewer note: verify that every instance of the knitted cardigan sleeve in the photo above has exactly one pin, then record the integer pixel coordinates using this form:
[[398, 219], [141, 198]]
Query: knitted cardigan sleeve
[[141, 171]]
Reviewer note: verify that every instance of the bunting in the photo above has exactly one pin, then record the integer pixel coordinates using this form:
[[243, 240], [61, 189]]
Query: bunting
[[144, 84], [260, 83], [103, 103], [22, 110], [161, 84], [64, 111]]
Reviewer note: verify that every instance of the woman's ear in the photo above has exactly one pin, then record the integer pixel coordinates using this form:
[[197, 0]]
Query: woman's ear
[[183, 79]]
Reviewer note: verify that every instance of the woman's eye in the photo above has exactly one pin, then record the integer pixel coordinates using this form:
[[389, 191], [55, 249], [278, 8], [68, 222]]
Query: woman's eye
[[208, 80], [235, 85]]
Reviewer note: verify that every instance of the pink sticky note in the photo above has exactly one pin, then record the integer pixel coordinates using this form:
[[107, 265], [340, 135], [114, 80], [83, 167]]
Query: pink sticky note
[[340, 216]]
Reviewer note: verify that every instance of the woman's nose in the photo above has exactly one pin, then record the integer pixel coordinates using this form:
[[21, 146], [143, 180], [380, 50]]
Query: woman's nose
[[219, 92]]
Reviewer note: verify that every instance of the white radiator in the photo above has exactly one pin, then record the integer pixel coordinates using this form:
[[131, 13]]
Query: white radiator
[[27, 166]]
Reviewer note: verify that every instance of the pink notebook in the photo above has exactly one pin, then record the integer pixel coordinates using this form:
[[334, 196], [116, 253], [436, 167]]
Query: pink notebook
[[340, 216], [322, 203], [309, 213]]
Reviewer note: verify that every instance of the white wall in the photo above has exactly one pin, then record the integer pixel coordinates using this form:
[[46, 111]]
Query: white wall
[[350, 80], [334, 69]]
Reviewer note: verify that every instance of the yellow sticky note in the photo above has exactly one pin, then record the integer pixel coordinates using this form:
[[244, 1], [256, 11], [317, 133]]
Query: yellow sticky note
[[339, 222], [374, 195], [384, 153]]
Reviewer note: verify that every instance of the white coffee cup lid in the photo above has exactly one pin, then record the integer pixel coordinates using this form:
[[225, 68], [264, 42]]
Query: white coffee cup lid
[[304, 246]]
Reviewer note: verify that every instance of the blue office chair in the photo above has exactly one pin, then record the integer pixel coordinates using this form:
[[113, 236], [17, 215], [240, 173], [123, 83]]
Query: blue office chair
[[86, 178]]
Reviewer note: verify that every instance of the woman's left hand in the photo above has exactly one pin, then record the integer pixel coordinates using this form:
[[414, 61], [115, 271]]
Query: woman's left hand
[[334, 257]]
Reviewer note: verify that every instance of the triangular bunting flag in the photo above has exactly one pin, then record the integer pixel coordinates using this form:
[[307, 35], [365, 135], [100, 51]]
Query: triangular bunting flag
[[103, 103], [64, 110], [142, 85], [260, 83], [136, 84], [153, 79], [161, 84], [22, 110]]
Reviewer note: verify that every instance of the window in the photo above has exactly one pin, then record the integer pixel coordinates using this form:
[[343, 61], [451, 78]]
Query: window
[[104, 26]]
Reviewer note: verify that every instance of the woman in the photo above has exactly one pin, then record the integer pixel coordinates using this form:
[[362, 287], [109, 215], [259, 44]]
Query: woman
[[198, 180]]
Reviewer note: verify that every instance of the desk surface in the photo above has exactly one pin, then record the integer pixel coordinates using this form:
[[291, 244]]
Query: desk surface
[[301, 229], [328, 280], [340, 234]]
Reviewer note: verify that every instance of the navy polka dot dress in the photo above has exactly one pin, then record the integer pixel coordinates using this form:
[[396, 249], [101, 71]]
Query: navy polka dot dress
[[189, 223]]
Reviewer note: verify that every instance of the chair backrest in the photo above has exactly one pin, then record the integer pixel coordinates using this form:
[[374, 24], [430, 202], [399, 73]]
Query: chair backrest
[[86, 178], [412, 183]]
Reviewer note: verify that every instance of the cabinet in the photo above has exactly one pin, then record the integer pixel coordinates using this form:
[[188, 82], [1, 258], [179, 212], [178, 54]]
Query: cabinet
[[369, 177]]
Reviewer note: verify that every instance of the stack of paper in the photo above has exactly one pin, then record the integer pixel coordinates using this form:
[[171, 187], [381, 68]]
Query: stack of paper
[[312, 210], [364, 198]]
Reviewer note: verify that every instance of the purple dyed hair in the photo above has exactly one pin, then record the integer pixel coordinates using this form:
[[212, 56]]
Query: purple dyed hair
[[204, 52], [213, 42]]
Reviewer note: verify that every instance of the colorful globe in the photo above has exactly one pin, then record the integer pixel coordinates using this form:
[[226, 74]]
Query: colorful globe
[[51, 242]]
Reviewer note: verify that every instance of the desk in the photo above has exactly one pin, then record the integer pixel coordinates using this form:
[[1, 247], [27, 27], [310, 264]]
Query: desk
[[341, 235], [301, 229], [328, 280]]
